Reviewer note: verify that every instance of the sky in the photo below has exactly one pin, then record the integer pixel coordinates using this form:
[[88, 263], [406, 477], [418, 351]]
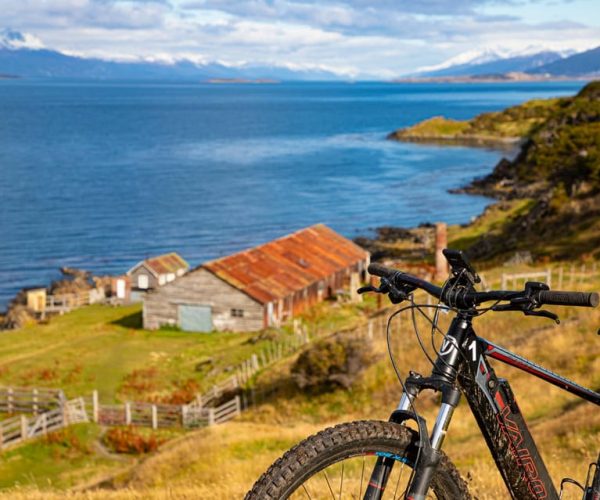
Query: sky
[[354, 38]]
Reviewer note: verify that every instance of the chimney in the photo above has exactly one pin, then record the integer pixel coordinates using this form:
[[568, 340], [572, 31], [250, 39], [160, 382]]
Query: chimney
[[441, 241]]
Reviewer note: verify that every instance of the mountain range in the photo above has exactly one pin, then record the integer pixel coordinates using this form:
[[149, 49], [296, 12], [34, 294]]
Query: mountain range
[[541, 63], [24, 56]]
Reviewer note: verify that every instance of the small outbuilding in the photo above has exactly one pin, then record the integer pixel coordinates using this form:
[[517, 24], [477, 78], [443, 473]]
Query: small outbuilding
[[152, 273], [259, 287]]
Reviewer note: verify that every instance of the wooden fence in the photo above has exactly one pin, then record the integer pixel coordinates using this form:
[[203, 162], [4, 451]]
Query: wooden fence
[[560, 278], [17, 429], [19, 400]]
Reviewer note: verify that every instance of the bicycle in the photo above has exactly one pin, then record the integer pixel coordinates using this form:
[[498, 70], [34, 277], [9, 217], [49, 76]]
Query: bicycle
[[371, 451]]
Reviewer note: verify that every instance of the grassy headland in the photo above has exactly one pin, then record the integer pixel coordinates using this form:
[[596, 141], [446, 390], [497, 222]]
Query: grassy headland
[[501, 128]]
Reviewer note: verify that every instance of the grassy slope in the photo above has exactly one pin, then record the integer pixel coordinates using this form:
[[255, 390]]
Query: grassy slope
[[67, 460], [100, 348], [97, 347], [223, 462], [567, 430]]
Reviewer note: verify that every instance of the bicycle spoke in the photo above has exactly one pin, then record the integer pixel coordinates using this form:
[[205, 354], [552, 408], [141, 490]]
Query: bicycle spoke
[[329, 484], [398, 482], [362, 475], [341, 482], [307, 493]]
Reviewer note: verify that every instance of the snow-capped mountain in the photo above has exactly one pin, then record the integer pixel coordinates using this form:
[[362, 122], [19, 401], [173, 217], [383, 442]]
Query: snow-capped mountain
[[10, 39], [492, 61], [24, 55], [584, 63]]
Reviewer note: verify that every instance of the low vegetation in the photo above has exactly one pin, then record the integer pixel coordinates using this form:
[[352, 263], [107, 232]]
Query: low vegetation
[[333, 362], [510, 125]]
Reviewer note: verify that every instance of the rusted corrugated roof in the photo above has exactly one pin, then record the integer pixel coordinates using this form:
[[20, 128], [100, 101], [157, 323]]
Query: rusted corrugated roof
[[281, 267], [168, 263]]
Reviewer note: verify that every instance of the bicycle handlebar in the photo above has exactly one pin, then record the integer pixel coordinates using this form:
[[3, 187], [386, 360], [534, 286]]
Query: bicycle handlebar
[[579, 299], [468, 299]]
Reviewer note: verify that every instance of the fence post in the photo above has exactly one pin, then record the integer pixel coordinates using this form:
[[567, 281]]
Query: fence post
[[503, 285], [238, 405], [155, 417], [95, 406], [582, 276], [34, 394], [560, 278], [211, 416], [45, 423], [572, 269], [184, 412], [9, 398], [549, 277], [127, 413], [24, 427]]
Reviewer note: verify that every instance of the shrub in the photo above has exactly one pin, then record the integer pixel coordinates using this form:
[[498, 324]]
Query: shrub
[[68, 440], [129, 440], [332, 362]]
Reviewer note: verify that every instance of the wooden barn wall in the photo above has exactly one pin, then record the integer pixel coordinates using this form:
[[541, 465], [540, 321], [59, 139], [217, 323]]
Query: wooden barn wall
[[142, 269], [202, 288], [316, 292]]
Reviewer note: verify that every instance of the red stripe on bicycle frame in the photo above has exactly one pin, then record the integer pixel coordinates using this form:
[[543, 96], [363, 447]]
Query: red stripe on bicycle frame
[[499, 400]]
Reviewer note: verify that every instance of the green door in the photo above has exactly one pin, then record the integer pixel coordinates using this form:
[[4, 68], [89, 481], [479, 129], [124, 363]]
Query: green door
[[195, 318]]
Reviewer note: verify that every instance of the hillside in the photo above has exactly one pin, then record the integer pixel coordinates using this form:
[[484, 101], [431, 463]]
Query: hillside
[[222, 462], [556, 174]]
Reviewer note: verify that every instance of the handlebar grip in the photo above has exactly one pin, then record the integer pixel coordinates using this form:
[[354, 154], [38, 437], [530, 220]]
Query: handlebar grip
[[580, 299], [381, 271]]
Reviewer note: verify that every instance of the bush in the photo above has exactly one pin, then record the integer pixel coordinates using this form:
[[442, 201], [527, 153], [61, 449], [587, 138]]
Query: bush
[[332, 362], [128, 440]]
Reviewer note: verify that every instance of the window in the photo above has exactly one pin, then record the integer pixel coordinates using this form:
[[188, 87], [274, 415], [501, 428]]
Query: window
[[237, 313], [143, 281], [170, 277]]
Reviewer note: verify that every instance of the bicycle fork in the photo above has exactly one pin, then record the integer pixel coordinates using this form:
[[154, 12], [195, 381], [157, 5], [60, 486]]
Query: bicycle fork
[[428, 453], [428, 447]]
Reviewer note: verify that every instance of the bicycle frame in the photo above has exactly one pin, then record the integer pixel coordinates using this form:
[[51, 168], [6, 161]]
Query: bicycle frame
[[462, 361]]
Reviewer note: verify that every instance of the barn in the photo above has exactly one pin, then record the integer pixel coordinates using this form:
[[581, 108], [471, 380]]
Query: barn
[[157, 271], [261, 286]]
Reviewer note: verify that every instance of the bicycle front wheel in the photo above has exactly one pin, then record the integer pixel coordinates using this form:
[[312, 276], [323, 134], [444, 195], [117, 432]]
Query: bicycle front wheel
[[337, 462]]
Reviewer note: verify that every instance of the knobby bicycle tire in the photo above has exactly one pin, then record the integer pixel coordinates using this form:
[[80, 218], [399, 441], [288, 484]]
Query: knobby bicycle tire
[[353, 439]]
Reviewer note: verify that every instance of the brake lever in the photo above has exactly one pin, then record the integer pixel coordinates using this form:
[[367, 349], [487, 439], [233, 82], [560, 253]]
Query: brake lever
[[527, 312], [543, 314], [396, 296]]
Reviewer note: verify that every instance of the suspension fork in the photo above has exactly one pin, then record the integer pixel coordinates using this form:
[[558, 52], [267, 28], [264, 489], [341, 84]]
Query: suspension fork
[[443, 379]]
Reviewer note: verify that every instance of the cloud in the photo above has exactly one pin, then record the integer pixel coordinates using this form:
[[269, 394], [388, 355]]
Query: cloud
[[358, 37]]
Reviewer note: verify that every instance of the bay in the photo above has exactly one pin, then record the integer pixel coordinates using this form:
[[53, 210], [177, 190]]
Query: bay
[[100, 175]]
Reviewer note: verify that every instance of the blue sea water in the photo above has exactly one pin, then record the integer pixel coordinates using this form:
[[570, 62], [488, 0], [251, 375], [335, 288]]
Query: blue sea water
[[102, 175]]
